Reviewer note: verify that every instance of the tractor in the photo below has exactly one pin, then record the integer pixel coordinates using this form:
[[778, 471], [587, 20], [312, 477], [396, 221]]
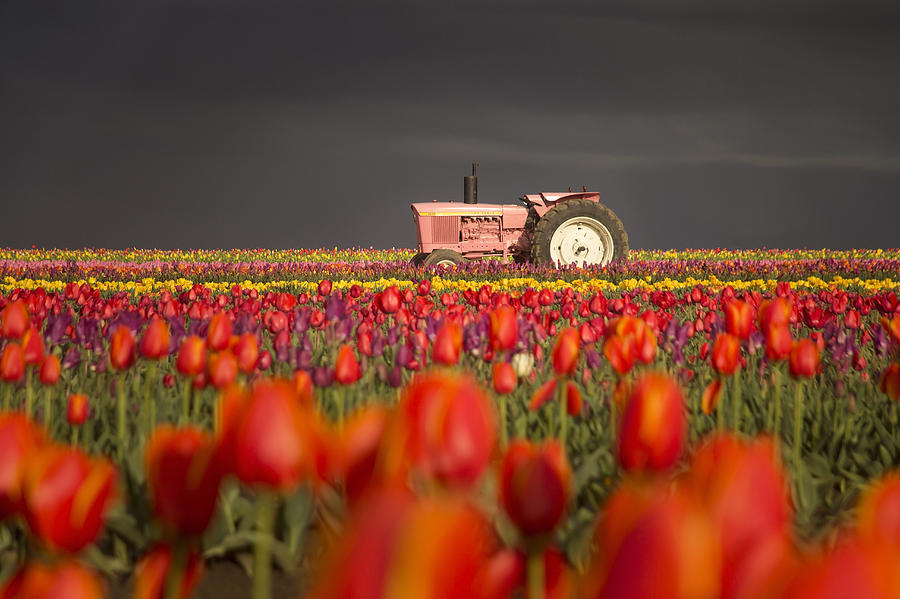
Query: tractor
[[559, 228]]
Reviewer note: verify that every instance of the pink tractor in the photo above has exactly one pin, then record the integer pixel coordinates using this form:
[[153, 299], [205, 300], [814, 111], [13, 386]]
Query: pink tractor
[[558, 228]]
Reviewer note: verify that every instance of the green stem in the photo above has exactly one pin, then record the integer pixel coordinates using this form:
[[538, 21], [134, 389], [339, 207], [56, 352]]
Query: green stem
[[149, 399], [7, 394], [262, 549], [737, 403], [563, 412], [535, 574], [48, 408], [776, 391], [341, 395], [176, 571], [121, 421], [186, 402], [504, 434], [76, 429], [720, 414], [29, 393], [798, 421]]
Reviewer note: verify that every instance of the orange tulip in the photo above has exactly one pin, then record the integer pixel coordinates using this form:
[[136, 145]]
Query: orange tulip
[[19, 440], [183, 475], [273, 443], [12, 363], [852, 569], [711, 396], [121, 348], [726, 354], [33, 346], [774, 312], [218, 335], [66, 495], [504, 328], [444, 429], [620, 352], [565, 352], [804, 359], [652, 433], [535, 485], [395, 546], [222, 369], [191, 359], [890, 381], [878, 512], [15, 319], [50, 369], [303, 385], [447, 344], [503, 377], [892, 327], [778, 342], [246, 350], [77, 409], [503, 575], [155, 341], [739, 318], [357, 450], [346, 367], [62, 580], [153, 568]]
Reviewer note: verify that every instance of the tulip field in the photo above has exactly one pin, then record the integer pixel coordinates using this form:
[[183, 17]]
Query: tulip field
[[682, 424]]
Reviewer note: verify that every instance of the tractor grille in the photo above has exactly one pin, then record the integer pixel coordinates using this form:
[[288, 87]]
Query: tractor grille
[[445, 229]]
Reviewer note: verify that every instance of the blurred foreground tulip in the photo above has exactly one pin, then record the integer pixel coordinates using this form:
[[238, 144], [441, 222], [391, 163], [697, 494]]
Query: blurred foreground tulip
[[565, 352], [447, 344], [191, 359], [654, 424], [154, 568], [12, 363], [15, 319], [218, 335], [739, 318], [154, 343], [20, 439], [535, 486], [121, 348], [61, 580], [504, 328]]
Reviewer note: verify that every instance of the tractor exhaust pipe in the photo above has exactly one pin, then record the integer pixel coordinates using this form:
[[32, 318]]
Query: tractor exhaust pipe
[[470, 186]]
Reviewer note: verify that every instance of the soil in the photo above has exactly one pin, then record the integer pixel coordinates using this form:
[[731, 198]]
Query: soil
[[225, 580]]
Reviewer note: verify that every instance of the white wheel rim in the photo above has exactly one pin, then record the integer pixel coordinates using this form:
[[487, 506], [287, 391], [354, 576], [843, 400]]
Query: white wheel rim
[[581, 240], [446, 263]]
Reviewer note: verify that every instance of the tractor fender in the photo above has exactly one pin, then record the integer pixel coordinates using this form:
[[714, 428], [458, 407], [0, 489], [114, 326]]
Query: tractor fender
[[549, 200]]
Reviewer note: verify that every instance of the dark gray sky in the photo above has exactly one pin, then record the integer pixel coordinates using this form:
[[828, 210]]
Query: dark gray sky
[[228, 123]]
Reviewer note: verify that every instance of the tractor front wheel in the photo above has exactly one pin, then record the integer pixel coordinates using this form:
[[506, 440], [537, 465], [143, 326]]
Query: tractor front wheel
[[579, 232], [446, 258], [418, 259]]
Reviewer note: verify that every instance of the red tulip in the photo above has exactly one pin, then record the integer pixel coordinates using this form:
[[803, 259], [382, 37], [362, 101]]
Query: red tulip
[[218, 335], [778, 342], [444, 428], [152, 570], [121, 348], [183, 475], [19, 440], [303, 386], [273, 444], [890, 381], [892, 327], [565, 352], [711, 396], [535, 485], [357, 450], [77, 409], [726, 354], [12, 363], [155, 341], [246, 350], [66, 495], [774, 312], [504, 328], [191, 359], [324, 287], [32, 346], [852, 569], [503, 575], [447, 344], [620, 353], [652, 433], [504, 377], [346, 367], [878, 512], [221, 368], [61, 580], [804, 359], [15, 319], [50, 369], [389, 300], [739, 318]]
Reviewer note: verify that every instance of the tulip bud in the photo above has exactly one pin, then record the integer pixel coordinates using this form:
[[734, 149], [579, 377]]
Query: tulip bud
[[12, 363], [324, 287], [191, 359], [15, 319], [889, 383], [155, 341], [565, 352], [390, 300], [504, 377], [219, 333], [76, 412], [504, 328], [121, 348], [778, 342], [447, 344], [535, 486], [738, 318], [19, 439], [222, 369], [32, 346], [246, 350], [50, 369], [726, 354], [346, 368], [804, 359], [652, 434]]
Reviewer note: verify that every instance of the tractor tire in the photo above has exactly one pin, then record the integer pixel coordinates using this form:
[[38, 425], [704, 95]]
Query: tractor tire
[[446, 258], [581, 232], [418, 259]]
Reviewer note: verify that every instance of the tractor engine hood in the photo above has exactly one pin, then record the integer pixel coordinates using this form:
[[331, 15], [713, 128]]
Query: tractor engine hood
[[455, 209]]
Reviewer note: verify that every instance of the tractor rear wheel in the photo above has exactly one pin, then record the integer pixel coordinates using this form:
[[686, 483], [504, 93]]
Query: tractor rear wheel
[[445, 258], [580, 232], [418, 259]]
